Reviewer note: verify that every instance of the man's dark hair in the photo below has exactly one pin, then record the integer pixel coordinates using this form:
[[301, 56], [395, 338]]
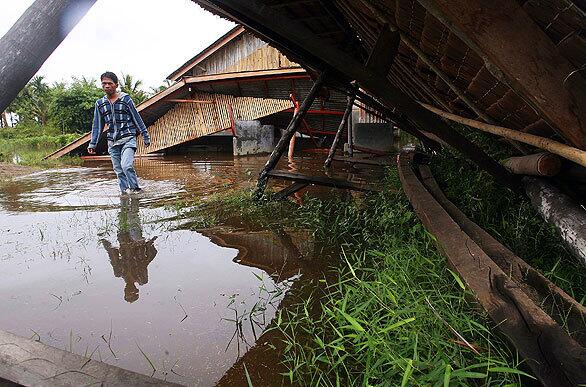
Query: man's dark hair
[[111, 75]]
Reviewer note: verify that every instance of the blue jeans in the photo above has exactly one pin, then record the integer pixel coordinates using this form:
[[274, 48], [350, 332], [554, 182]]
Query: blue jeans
[[122, 161]]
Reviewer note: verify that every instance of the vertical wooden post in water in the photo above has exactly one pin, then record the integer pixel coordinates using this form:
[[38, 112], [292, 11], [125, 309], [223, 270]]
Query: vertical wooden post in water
[[350, 134], [31, 40], [286, 137], [292, 141], [349, 104]]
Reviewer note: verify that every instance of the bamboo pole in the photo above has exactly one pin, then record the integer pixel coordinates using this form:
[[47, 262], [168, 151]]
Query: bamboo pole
[[349, 104], [574, 154]]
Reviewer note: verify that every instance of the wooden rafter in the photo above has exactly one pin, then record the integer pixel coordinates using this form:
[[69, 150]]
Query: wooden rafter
[[513, 45]]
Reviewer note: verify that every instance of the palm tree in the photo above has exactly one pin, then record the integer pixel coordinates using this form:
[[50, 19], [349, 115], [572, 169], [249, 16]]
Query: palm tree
[[33, 102], [166, 84], [30, 41], [132, 87]]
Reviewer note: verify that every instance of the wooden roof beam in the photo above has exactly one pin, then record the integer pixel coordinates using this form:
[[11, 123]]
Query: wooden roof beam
[[286, 3], [384, 51], [515, 48]]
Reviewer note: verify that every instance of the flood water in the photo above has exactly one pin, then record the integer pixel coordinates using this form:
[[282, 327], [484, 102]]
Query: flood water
[[105, 276]]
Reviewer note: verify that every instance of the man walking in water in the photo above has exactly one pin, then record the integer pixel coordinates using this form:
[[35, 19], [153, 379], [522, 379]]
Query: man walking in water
[[117, 112]]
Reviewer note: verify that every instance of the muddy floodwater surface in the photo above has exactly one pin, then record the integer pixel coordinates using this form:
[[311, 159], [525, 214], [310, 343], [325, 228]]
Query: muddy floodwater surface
[[89, 271]]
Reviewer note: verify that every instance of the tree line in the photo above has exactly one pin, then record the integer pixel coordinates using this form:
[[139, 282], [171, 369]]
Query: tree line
[[68, 108]]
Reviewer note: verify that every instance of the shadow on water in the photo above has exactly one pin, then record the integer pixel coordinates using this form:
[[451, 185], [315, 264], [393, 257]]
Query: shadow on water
[[130, 260], [193, 303]]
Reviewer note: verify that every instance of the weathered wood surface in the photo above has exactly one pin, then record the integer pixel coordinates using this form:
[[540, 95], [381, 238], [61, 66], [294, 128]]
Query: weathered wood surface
[[510, 41], [31, 363], [32, 39], [383, 53], [555, 358], [321, 180], [264, 58], [559, 209]]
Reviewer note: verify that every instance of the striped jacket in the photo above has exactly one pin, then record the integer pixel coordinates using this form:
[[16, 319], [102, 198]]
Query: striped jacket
[[122, 118]]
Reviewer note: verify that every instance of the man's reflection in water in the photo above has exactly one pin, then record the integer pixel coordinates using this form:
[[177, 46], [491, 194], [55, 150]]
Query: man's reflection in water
[[131, 258]]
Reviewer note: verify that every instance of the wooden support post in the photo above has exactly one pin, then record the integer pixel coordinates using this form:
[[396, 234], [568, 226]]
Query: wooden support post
[[291, 150], [286, 137], [351, 135], [349, 105], [384, 51], [32, 39], [232, 121]]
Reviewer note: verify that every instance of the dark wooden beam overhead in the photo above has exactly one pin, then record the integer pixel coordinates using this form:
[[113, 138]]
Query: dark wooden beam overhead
[[279, 29], [32, 39], [509, 40], [384, 51]]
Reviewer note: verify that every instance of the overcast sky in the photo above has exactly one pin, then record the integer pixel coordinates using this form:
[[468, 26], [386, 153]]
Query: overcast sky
[[145, 38]]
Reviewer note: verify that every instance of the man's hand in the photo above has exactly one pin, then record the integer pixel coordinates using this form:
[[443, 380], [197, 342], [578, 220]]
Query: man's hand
[[91, 151]]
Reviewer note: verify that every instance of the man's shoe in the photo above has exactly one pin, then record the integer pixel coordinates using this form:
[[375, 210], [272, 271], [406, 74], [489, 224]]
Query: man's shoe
[[134, 190]]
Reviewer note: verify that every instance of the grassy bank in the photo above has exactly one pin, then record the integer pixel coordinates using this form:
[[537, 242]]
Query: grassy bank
[[510, 218], [28, 145], [390, 310]]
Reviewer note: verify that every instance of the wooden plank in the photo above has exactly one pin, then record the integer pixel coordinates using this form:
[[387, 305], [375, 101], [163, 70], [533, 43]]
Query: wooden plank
[[321, 180], [554, 357], [290, 190], [32, 363], [245, 75], [208, 51], [358, 160], [187, 101], [564, 309]]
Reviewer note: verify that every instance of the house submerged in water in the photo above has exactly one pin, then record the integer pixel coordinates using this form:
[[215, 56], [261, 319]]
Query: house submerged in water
[[237, 94]]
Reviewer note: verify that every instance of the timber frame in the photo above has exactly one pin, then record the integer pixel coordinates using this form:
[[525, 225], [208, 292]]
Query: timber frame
[[295, 39]]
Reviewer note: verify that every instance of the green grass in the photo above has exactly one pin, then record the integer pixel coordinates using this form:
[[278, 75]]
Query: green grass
[[369, 321], [511, 219], [29, 145], [389, 312]]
